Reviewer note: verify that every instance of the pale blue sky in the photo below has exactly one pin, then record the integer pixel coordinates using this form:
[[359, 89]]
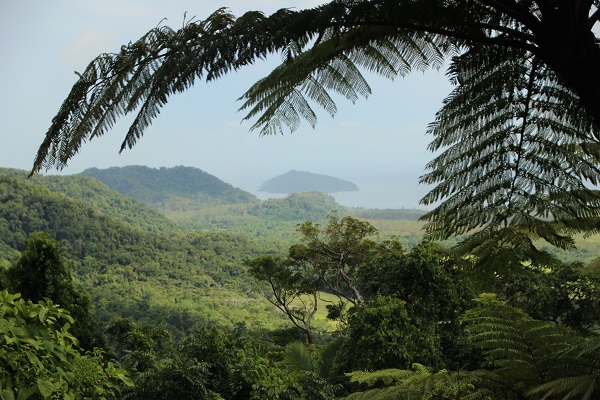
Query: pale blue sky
[[379, 141]]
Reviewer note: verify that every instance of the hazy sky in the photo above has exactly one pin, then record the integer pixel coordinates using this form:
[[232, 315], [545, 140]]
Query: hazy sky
[[42, 43]]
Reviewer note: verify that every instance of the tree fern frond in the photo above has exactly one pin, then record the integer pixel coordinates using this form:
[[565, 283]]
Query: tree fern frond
[[584, 387], [164, 62], [299, 357], [333, 64], [526, 352], [420, 384], [386, 376], [514, 157]]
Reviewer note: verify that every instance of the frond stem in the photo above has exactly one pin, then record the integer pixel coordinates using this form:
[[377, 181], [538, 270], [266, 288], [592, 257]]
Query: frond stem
[[522, 132], [496, 41], [515, 11], [595, 17]]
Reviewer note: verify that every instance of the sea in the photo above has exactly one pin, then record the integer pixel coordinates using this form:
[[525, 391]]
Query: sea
[[375, 192]]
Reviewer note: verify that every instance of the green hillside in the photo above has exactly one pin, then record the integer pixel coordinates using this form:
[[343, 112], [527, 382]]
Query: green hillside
[[199, 287], [183, 270], [98, 196], [170, 187], [181, 279]]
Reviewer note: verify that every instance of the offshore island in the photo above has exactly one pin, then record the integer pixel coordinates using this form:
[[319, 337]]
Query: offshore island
[[301, 181]]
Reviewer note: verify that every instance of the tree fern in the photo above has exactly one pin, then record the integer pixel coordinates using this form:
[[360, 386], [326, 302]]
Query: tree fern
[[181, 377], [144, 74], [515, 166], [419, 383], [299, 357], [581, 383], [333, 65], [533, 357]]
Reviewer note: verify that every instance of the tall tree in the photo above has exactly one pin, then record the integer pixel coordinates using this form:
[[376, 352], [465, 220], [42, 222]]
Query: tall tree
[[328, 259], [520, 133], [337, 251], [42, 272], [293, 289]]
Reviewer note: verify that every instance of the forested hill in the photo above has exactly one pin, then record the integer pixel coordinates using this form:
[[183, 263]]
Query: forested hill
[[170, 187], [297, 207], [27, 206], [179, 278], [98, 196]]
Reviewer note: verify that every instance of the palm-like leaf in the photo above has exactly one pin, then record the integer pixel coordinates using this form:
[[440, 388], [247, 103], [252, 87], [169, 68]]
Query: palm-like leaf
[[334, 65], [420, 384], [586, 385], [532, 356], [299, 357], [515, 165], [144, 74]]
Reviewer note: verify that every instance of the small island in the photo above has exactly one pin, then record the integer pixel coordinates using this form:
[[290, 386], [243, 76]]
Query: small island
[[301, 181]]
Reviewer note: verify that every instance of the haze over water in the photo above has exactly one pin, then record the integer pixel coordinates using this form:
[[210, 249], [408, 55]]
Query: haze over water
[[376, 191]]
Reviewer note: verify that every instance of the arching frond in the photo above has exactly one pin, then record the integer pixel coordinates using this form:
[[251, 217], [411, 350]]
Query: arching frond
[[533, 356], [142, 77], [299, 357], [145, 74], [333, 65], [419, 383], [519, 136], [515, 164], [580, 383], [584, 387]]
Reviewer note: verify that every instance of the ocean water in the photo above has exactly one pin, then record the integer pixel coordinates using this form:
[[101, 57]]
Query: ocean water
[[380, 192]]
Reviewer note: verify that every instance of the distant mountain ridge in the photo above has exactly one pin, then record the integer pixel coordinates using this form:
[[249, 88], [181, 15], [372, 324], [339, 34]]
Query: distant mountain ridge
[[157, 186], [302, 181]]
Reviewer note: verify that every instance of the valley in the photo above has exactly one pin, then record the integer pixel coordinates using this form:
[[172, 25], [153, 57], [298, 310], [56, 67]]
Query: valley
[[177, 253]]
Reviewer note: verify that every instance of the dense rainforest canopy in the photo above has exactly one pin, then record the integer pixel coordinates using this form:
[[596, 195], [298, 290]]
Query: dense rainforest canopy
[[138, 307]]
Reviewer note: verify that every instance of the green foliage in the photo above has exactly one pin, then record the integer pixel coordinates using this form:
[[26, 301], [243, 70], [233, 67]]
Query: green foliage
[[386, 377], [526, 174], [139, 345], [427, 278], [182, 279], [337, 251], [418, 383], [526, 358], [328, 260], [381, 335], [433, 286], [42, 272], [531, 356], [156, 187], [39, 357], [565, 294], [296, 207], [294, 289], [310, 368], [94, 194], [214, 364]]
